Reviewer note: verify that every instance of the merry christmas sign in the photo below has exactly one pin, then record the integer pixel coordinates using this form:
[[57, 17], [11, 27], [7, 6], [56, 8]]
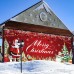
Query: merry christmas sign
[[36, 45]]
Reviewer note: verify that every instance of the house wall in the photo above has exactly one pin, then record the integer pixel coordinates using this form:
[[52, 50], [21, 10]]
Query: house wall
[[36, 46]]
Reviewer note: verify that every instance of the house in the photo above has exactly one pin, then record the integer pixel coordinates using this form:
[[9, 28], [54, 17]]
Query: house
[[36, 34]]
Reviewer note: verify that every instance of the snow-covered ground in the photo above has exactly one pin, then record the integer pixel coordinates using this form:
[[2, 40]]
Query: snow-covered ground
[[37, 67]]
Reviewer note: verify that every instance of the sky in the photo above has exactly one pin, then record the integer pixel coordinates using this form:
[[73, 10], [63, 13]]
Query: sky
[[64, 9]]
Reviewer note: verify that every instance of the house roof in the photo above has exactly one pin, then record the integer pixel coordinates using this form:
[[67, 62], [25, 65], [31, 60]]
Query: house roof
[[40, 14]]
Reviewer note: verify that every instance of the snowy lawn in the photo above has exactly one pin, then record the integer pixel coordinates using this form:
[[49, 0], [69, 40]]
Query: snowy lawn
[[36, 67]]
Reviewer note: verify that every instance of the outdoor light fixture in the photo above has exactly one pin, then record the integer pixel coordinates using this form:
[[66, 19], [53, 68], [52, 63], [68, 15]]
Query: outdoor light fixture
[[21, 43]]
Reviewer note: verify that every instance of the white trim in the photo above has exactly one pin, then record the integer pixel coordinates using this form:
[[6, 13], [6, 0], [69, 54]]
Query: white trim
[[15, 55]]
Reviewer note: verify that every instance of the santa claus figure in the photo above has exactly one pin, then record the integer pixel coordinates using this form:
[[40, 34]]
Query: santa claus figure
[[15, 50]]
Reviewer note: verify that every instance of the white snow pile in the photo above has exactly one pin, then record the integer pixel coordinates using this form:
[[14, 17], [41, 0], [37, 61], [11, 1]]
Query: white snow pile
[[36, 67]]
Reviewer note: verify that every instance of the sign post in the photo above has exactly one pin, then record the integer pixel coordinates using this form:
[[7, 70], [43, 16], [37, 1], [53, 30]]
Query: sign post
[[21, 44]]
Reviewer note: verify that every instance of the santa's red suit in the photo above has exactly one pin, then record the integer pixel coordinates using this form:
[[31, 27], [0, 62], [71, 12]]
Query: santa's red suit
[[15, 50]]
